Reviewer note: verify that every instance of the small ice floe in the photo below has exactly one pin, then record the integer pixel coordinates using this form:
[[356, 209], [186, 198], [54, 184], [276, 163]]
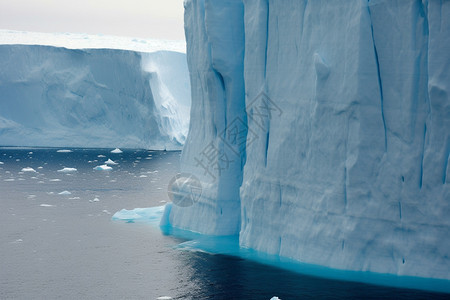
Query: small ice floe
[[103, 168], [21, 179], [28, 169], [50, 193], [143, 176], [117, 151], [110, 162], [9, 179], [74, 198], [106, 212], [30, 152], [2, 163], [17, 241], [55, 180], [31, 196], [67, 170], [163, 201], [164, 298], [65, 193], [46, 205], [101, 156], [64, 151], [94, 200], [40, 167], [275, 298], [18, 159]]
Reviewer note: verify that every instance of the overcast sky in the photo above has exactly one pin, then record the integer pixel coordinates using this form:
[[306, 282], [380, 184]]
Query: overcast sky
[[161, 19]]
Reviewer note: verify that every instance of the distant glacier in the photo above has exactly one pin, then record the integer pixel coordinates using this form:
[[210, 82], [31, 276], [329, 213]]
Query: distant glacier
[[320, 131], [60, 97]]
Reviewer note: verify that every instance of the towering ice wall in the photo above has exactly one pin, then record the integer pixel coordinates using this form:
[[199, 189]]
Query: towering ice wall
[[346, 117], [215, 148], [52, 96]]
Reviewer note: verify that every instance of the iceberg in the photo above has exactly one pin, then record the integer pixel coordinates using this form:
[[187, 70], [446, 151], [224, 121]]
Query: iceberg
[[104, 98], [104, 167], [320, 131]]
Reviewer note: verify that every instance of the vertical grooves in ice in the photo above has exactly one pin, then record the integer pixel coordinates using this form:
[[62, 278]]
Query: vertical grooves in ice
[[380, 85], [422, 155]]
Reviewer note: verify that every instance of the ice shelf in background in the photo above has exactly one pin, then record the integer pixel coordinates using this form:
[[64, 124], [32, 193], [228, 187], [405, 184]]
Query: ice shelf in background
[[59, 97], [337, 151], [89, 41]]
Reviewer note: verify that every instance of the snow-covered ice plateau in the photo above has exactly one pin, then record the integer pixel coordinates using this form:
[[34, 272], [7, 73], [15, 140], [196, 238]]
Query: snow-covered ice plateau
[[320, 131], [68, 94]]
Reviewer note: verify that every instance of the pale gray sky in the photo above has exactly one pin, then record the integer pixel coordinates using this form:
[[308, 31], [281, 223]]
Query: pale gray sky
[[160, 19]]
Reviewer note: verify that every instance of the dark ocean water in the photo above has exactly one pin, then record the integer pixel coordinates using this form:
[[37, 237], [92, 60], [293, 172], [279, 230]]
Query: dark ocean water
[[57, 239]]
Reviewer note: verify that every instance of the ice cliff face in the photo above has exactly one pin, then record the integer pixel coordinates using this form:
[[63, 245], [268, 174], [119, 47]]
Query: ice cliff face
[[320, 130], [57, 97]]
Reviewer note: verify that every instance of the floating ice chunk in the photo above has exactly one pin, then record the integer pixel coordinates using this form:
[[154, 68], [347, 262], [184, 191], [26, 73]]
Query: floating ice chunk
[[28, 169], [55, 180], [150, 214], [74, 198], [17, 241], [46, 205], [103, 168], [65, 193], [64, 151], [40, 167], [101, 156], [31, 196], [67, 170], [2, 163], [110, 162], [275, 298], [117, 151], [143, 176], [164, 298], [9, 179], [94, 200]]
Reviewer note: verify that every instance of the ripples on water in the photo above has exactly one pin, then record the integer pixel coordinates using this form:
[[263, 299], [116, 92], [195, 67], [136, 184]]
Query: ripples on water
[[58, 240]]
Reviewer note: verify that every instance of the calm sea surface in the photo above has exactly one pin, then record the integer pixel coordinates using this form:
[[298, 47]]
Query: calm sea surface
[[57, 239]]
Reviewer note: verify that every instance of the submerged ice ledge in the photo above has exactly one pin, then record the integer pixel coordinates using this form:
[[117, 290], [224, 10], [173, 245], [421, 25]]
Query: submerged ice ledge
[[229, 245]]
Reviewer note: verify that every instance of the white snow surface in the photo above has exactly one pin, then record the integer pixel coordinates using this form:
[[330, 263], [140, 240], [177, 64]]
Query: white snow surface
[[85, 97], [320, 130], [89, 41]]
